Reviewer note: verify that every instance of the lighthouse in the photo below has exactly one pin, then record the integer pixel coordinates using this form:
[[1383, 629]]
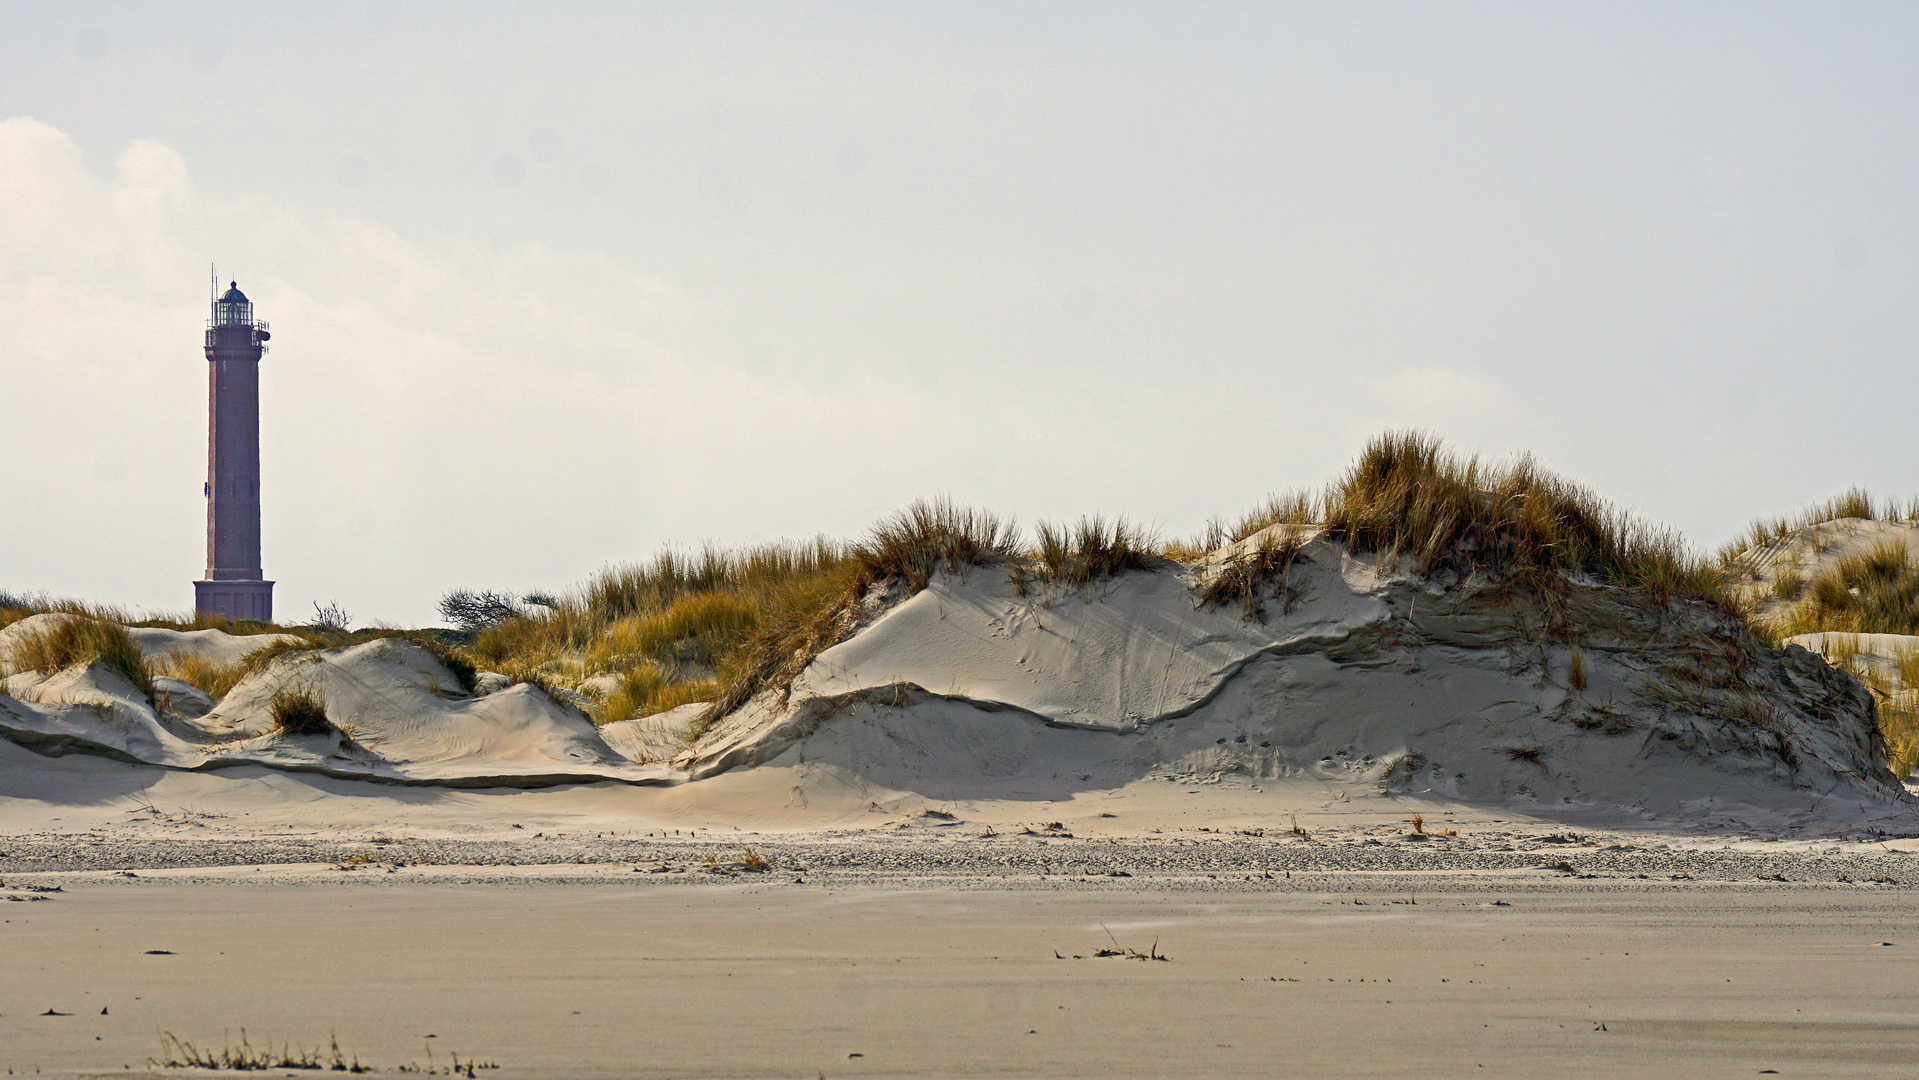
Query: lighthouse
[[234, 586]]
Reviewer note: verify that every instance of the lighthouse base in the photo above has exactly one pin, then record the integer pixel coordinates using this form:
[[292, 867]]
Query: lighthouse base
[[235, 600]]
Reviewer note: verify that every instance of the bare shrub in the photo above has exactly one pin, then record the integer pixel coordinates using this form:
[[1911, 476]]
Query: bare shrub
[[331, 618], [475, 611]]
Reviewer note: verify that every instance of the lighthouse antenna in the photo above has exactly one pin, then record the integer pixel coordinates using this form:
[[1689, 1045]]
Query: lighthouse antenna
[[213, 281]]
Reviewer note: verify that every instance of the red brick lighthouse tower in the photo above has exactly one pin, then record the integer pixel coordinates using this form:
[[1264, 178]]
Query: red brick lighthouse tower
[[233, 585]]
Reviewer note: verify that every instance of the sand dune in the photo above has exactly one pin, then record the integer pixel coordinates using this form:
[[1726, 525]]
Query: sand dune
[[399, 716], [1372, 678], [1807, 552], [1361, 681]]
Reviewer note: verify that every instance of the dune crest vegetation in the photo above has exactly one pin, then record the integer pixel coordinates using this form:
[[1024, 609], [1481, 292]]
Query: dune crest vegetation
[[1855, 504], [722, 626], [1409, 497], [1836, 570], [664, 629], [82, 639]]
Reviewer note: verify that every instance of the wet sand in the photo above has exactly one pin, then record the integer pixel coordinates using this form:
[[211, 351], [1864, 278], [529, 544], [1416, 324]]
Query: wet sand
[[764, 978]]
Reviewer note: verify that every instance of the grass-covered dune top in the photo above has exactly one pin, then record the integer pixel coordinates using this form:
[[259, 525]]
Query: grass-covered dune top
[[1407, 496], [74, 633], [75, 639], [720, 625], [1856, 575], [1425, 607], [1838, 573]]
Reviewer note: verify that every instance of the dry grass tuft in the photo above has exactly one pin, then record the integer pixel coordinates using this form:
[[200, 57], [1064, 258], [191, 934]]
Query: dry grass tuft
[[1855, 503], [1248, 577], [212, 679], [83, 638], [931, 535], [1788, 586], [647, 690], [1869, 592], [1298, 509], [673, 613], [803, 620], [300, 712], [259, 659], [1407, 497], [1093, 550], [1899, 726], [807, 614], [178, 1054], [1895, 693], [696, 627], [205, 621]]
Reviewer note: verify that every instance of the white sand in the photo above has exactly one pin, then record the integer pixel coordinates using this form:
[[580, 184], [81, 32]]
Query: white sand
[[402, 718]]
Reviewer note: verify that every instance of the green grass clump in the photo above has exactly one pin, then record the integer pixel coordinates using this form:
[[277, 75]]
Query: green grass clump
[[83, 639], [698, 627], [300, 712], [720, 625], [676, 627], [645, 588], [703, 605]]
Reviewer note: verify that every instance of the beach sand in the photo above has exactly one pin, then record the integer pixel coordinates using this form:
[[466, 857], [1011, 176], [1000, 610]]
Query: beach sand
[[590, 976]]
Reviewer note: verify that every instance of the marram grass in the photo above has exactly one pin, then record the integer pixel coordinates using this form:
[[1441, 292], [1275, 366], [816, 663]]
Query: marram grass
[[724, 626], [83, 639]]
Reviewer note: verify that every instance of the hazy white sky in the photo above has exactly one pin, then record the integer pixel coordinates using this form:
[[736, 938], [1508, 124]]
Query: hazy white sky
[[553, 287]]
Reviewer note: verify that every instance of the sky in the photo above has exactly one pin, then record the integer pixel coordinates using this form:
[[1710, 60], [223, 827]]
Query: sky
[[555, 287]]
